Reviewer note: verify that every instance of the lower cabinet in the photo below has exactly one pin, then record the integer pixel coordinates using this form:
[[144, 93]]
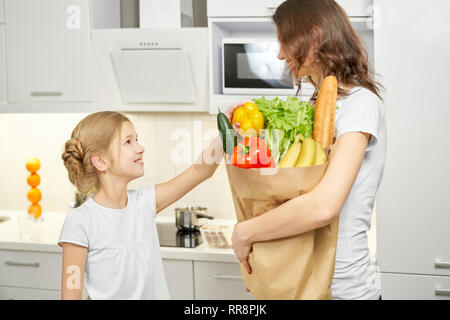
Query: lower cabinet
[[15, 293], [30, 269], [200, 280], [219, 281], [179, 278], [30, 275], [396, 286]]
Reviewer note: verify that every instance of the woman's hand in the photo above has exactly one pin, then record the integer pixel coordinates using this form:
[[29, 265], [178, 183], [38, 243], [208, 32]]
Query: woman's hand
[[241, 246]]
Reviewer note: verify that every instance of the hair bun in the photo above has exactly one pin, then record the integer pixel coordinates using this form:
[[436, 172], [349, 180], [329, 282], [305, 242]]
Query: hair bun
[[73, 157], [73, 149]]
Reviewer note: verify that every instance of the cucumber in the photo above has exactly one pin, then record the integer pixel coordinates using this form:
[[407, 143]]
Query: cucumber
[[229, 139]]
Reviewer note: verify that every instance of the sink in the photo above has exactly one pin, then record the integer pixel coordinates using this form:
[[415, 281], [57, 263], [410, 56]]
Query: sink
[[4, 219]]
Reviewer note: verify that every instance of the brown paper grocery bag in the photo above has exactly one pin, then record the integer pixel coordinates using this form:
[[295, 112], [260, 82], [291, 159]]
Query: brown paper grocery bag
[[296, 267]]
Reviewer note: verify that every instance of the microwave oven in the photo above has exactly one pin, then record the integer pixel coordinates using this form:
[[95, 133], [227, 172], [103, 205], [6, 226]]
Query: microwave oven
[[252, 67]]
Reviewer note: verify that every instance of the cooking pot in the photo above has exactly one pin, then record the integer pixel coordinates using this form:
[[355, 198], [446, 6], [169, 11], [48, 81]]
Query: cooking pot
[[190, 219]]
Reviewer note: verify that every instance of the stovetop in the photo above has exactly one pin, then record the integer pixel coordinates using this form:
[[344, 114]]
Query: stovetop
[[170, 236]]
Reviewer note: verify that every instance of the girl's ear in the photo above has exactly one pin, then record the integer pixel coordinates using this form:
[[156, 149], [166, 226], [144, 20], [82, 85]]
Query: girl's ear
[[100, 162]]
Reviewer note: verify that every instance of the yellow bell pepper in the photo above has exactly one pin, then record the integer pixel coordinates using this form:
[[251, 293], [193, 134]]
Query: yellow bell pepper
[[249, 117]]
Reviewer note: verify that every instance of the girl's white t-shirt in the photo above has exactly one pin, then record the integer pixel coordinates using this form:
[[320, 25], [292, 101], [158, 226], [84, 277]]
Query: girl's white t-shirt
[[354, 275], [124, 259]]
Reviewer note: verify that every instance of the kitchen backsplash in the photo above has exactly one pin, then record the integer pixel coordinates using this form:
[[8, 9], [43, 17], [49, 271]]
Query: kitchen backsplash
[[23, 136]]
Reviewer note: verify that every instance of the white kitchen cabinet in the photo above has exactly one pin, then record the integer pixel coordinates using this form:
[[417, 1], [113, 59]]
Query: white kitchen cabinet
[[239, 8], [357, 8], [2, 14], [40, 270], [48, 51], [266, 8], [414, 287], [412, 203], [12, 293], [222, 281], [3, 96], [179, 278]]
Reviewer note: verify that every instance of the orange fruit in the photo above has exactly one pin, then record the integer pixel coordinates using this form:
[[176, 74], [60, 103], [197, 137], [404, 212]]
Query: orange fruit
[[34, 195], [33, 165], [35, 210], [33, 180]]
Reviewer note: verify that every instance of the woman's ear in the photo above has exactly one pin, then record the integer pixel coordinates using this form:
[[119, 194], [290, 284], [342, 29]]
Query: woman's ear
[[100, 162]]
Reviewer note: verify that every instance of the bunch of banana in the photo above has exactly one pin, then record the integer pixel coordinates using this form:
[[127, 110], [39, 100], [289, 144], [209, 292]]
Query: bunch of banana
[[304, 152], [290, 159]]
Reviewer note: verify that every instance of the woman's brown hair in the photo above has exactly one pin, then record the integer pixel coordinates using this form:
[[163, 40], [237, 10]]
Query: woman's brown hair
[[322, 25], [92, 135]]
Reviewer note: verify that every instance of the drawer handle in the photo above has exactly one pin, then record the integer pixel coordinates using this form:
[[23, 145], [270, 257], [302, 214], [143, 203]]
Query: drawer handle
[[46, 93], [442, 292], [226, 277], [438, 263], [23, 264]]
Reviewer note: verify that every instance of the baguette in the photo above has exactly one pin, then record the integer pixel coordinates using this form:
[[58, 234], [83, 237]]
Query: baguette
[[324, 114]]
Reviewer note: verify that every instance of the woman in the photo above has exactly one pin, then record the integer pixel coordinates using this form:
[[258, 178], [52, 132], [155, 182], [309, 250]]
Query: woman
[[317, 40]]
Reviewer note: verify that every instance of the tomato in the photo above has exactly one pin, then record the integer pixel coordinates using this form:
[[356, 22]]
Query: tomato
[[252, 152]]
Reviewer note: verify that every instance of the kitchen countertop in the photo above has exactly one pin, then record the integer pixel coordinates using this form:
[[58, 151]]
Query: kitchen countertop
[[46, 233]]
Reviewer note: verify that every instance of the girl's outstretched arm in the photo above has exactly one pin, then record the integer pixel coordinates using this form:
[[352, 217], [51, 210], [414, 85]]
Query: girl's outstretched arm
[[74, 261], [203, 168]]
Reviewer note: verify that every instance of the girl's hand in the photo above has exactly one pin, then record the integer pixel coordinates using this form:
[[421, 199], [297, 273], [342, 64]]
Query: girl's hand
[[241, 246]]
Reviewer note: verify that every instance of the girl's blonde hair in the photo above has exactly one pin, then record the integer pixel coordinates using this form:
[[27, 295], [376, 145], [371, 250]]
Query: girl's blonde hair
[[92, 135]]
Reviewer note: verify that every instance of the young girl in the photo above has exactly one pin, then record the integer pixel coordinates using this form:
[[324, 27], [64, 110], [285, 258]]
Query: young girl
[[111, 238], [318, 40]]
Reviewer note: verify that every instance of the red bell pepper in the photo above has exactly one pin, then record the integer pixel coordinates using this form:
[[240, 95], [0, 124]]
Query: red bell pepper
[[252, 152]]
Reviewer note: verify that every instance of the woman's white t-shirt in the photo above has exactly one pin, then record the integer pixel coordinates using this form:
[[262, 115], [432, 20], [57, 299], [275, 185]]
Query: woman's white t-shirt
[[354, 276], [124, 259]]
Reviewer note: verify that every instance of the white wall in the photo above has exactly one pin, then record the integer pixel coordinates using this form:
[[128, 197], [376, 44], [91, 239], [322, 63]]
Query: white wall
[[23, 136]]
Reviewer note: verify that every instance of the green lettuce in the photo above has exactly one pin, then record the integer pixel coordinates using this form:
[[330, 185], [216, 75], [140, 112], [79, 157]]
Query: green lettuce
[[283, 121]]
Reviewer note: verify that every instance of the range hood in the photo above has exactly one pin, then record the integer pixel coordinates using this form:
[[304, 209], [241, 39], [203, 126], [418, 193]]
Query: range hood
[[154, 76], [153, 69]]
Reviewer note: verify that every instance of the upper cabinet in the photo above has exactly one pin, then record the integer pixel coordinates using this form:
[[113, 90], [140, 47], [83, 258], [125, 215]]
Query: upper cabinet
[[48, 51], [3, 98], [357, 8], [2, 15], [266, 8], [171, 13], [239, 8], [2, 56]]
